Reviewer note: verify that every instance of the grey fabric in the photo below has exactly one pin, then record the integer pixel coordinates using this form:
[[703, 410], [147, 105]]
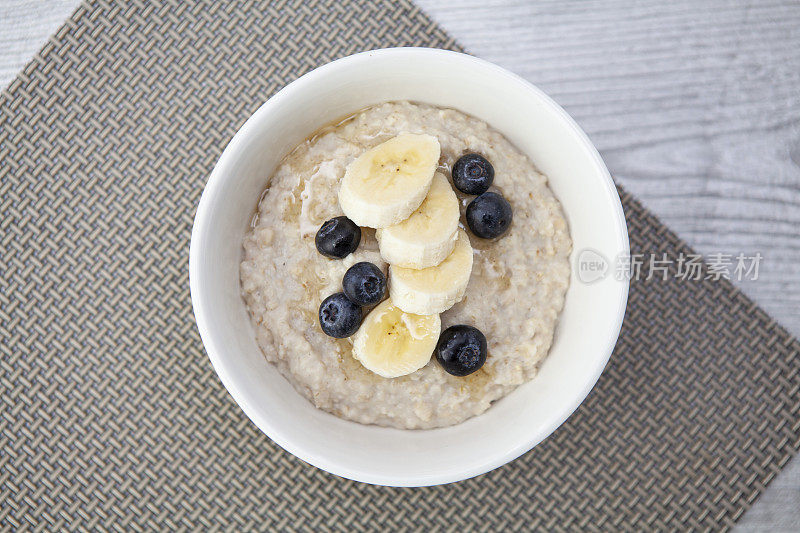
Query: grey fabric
[[112, 417]]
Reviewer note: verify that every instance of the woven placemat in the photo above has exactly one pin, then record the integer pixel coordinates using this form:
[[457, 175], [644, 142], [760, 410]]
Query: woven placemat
[[112, 417]]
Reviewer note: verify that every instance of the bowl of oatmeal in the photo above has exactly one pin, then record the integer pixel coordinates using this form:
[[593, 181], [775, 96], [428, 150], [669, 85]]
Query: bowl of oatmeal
[[387, 267]]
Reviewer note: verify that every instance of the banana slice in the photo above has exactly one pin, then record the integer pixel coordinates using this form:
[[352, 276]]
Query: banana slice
[[428, 236], [387, 183], [434, 289], [392, 343]]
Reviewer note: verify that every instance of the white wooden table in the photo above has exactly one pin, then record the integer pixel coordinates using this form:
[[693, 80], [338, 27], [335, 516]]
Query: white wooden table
[[694, 105]]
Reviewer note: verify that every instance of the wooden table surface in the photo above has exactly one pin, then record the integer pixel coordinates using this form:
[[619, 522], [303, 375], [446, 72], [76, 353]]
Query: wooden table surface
[[694, 105]]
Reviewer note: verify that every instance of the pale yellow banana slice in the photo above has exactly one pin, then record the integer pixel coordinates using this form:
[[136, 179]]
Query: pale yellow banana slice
[[387, 183], [428, 236], [392, 343], [434, 289]]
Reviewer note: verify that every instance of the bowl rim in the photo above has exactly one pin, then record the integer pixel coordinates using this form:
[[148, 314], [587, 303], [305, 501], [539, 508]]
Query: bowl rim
[[213, 349]]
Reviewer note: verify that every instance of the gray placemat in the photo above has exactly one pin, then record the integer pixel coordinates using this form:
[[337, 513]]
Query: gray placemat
[[112, 417]]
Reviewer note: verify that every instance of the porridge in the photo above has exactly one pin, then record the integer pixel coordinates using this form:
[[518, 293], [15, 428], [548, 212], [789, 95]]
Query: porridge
[[467, 308]]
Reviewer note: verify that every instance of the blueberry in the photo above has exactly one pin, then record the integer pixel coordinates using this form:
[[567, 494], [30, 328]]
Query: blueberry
[[339, 316], [338, 237], [489, 215], [364, 283], [472, 174], [461, 350]]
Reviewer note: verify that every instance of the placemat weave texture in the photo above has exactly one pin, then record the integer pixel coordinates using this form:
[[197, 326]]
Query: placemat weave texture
[[112, 417]]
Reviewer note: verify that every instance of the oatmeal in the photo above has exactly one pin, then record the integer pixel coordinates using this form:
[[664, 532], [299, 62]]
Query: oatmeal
[[514, 294]]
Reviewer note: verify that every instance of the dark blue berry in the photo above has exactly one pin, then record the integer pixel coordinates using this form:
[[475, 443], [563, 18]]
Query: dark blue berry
[[472, 174], [364, 283], [461, 350], [338, 237], [489, 215], [339, 316]]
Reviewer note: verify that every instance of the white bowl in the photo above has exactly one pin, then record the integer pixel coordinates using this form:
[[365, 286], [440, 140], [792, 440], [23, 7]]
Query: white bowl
[[588, 327]]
